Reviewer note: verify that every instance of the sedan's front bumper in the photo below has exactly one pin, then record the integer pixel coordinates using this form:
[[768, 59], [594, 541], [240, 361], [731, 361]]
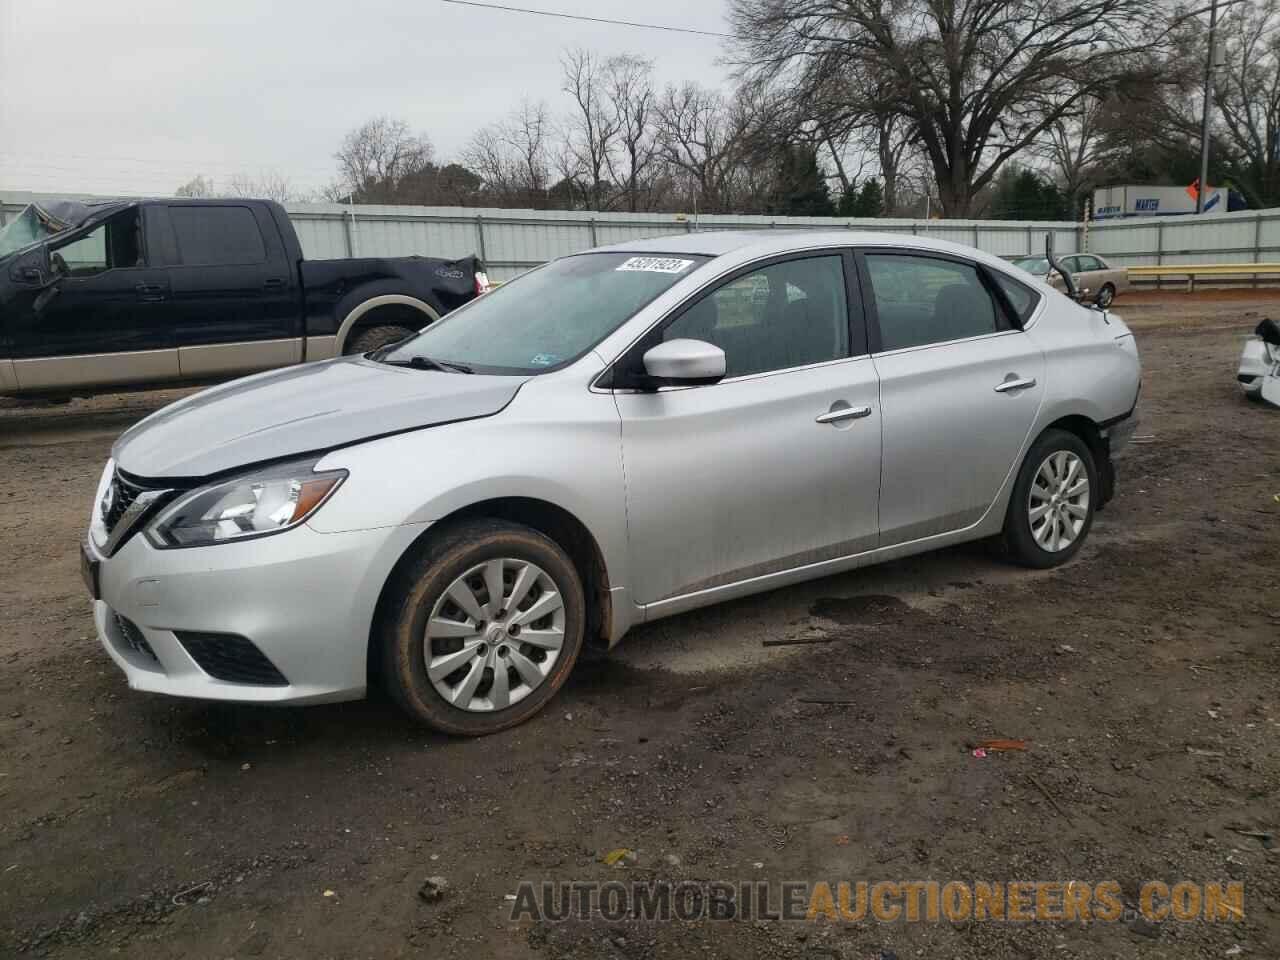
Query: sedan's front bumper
[[279, 619]]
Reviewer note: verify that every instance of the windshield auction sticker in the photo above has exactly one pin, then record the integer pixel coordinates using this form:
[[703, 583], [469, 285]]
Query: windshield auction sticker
[[656, 265]]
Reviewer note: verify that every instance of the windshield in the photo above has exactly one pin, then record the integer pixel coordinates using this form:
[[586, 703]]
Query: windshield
[[22, 231], [548, 317], [1032, 264]]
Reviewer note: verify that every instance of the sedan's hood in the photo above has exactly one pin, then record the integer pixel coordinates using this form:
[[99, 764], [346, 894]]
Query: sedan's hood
[[308, 408]]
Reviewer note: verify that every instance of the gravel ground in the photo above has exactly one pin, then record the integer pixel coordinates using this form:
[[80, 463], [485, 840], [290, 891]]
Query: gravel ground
[[1143, 674]]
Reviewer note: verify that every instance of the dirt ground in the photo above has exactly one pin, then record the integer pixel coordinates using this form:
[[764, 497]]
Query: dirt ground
[[1145, 674]]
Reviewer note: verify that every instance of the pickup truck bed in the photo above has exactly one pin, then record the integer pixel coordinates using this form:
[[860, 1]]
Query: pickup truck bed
[[137, 293]]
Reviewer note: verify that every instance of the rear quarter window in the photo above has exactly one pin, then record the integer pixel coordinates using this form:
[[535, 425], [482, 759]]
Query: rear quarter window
[[1021, 298]]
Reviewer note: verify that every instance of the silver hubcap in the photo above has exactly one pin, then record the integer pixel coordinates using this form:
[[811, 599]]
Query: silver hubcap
[[1104, 298], [494, 635], [1059, 502]]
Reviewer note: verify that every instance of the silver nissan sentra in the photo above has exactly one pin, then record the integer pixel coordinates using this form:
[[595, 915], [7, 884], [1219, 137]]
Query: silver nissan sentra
[[614, 437]]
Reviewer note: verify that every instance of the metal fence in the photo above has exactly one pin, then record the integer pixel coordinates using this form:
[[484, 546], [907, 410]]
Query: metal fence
[[510, 241]]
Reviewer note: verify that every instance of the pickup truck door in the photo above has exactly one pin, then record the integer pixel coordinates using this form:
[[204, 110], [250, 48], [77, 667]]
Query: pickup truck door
[[235, 297], [103, 322]]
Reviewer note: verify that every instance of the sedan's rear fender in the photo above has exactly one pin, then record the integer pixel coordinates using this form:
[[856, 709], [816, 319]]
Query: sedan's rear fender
[[1092, 378]]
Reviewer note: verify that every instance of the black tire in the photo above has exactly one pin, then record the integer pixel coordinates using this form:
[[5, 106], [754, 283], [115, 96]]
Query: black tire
[[1106, 296], [1019, 538], [413, 593], [371, 338]]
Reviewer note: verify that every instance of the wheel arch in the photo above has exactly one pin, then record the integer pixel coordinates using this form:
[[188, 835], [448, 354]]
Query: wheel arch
[[549, 519], [374, 310]]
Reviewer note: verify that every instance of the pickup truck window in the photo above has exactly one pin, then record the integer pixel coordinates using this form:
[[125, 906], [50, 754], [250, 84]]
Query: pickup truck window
[[217, 236], [115, 243]]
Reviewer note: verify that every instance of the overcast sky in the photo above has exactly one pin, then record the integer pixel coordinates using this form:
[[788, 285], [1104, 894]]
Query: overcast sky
[[138, 96]]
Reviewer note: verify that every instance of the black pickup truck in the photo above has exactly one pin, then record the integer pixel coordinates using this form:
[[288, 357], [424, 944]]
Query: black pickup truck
[[137, 293]]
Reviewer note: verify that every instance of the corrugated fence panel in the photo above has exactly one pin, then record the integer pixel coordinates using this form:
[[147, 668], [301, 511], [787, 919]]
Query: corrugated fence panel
[[1127, 243], [1215, 240], [322, 238], [1269, 239]]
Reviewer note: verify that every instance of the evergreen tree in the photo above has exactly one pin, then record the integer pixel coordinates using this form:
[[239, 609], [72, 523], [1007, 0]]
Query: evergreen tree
[[800, 188], [1025, 195], [870, 202]]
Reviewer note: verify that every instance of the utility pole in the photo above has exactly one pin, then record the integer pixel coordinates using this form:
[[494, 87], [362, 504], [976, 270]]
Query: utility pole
[[1208, 102]]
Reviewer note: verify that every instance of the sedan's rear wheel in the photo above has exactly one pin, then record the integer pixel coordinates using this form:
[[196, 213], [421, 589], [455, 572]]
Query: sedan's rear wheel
[[487, 624], [1106, 295], [1052, 507]]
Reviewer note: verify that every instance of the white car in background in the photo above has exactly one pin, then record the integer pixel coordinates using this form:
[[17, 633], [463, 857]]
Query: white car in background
[[1259, 374]]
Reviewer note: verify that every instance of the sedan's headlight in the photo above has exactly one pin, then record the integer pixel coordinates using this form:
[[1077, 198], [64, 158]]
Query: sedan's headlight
[[254, 505]]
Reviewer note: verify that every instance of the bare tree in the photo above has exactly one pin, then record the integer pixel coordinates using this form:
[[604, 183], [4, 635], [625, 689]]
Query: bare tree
[[525, 133], [1248, 96], [512, 157], [1077, 151], [377, 155], [267, 185], [488, 156], [704, 137], [979, 80], [593, 126], [197, 188], [629, 87]]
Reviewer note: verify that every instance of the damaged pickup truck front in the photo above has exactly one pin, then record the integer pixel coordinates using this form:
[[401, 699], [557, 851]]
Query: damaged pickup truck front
[[137, 293]]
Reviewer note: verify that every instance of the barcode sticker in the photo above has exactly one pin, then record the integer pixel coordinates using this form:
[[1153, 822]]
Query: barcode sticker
[[657, 265]]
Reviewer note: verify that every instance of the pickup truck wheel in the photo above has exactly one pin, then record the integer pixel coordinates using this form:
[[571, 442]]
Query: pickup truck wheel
[[482, 627], [371, 338]]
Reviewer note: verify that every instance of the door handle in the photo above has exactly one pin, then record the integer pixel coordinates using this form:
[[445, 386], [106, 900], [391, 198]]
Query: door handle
[[150, 291], [1008, 385], [275, 283], [844, 413]]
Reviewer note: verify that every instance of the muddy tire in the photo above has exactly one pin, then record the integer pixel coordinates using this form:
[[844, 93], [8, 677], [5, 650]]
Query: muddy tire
[[371, 338], [1053, 503], [482, 627]]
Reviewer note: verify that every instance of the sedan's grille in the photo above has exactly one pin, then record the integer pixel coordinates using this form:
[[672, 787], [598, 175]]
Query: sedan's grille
[[119, 498], [134, 637], [226, 656], [126, 505]]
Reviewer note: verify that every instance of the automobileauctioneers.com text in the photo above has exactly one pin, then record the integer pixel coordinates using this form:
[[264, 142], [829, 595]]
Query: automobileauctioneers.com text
[[885, 901]]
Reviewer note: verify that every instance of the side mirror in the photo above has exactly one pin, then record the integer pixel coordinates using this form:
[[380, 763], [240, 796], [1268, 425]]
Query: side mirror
[[684, 363]]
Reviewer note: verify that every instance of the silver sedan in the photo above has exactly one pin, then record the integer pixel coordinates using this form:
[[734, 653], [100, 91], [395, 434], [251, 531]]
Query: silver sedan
[[617, 436]]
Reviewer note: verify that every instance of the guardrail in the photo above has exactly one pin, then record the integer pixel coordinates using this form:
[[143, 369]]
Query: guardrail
[[1220, 271]]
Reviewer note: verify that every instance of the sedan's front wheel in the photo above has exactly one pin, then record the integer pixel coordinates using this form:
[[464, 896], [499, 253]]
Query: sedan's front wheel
[[1052, 507], [483, 628]]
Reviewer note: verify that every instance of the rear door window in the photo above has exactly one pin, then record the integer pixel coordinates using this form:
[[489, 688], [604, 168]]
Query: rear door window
[[921, 300], [217, 236]]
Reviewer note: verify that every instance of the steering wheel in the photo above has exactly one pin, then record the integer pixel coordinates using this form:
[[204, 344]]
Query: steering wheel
[[58, 265]]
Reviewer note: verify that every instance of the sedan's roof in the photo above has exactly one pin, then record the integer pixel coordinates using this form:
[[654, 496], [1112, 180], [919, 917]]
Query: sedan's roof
[[781, 241]]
